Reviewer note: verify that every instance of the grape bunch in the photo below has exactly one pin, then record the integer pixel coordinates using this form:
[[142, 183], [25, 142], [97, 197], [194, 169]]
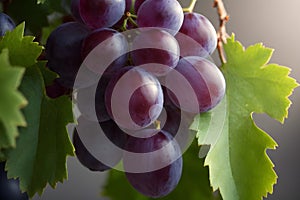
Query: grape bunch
[[139, 73]]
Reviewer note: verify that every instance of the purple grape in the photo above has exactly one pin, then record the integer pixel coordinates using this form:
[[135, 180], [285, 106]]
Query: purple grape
[[175, 121], [9, 188], [157, 50], [84, 156], [138, 4], [197, 83], [101, 111], [173, 117], [56, 90], [63, 51], [153, 182], [6, 24], [104, 49], [162, 14], [134, 98], [115, 135], [101, 13], [75, 10], [85, 101], [198, 38]]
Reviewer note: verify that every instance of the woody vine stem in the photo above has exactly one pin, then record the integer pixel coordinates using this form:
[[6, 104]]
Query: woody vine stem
[[221, 33]]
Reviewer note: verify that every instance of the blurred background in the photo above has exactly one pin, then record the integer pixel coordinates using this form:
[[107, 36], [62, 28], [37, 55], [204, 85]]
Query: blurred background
[[272, 22]]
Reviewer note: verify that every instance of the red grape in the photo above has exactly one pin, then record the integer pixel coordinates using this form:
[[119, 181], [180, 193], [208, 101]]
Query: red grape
[[101, 13], [138, 4], [197, 83], [113, 57], [134, 98], [63, 51], [156, 173], [162, 14], [104, 136], [75, 10], [155, 49], [198, 38]]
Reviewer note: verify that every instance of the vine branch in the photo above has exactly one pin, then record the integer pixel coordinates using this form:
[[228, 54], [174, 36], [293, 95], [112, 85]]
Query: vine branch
[[221, 33]]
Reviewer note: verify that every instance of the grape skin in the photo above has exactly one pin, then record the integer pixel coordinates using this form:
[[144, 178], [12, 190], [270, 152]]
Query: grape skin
[[85, 103], [137, 100], [174, 114], [101, 111], [162, 181], [101, 13], [201, 36], [6, 24], [206, 81], [157, 48], [161, 13], [63, 51], [75, 10], [9, 188], [115, 134], [84, 156], [112, 132], [138, 4], [175, 121], [115, 45]]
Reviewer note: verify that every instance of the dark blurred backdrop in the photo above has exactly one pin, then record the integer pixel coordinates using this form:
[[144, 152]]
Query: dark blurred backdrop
[[275, 24]]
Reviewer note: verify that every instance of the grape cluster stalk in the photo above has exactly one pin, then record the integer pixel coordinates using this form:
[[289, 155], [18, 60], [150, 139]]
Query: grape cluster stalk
[[222, 34]]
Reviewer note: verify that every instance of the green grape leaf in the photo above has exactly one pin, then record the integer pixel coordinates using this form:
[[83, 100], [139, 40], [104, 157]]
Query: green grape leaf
[[11, 102], [22, 50], [193, 172], [48, 75], [40, 155], [238, 163]]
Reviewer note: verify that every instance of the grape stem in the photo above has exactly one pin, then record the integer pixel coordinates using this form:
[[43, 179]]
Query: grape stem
[[130, 18], [221, 33], [191, 7], [157, 124]]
